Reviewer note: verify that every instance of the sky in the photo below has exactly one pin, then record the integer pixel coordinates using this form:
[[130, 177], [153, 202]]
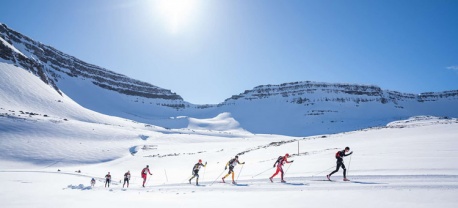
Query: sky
[[208, 50]]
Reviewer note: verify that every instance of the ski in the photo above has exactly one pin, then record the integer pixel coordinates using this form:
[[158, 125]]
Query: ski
[[235, 184]]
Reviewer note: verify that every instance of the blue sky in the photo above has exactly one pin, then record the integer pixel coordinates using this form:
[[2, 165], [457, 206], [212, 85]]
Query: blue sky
[[208, 50]]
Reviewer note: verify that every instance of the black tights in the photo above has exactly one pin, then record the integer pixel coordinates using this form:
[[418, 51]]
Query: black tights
[[340, 163]]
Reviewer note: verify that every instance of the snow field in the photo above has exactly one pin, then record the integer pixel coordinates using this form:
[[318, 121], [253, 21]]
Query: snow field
[[394, 167]]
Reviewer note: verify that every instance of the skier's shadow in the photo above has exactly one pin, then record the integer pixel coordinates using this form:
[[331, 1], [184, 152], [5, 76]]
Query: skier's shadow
[[297, 184], [363, 182], [358, 182]]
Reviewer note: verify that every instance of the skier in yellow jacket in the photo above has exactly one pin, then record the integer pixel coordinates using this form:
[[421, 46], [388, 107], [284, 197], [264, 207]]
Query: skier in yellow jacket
[[232, 163]]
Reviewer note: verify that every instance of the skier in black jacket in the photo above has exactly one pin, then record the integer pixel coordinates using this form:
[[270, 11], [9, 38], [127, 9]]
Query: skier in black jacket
[[339, 157], [195, 171]]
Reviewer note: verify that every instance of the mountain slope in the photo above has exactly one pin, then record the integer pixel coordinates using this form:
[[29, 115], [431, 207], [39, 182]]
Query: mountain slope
[[297, 108]]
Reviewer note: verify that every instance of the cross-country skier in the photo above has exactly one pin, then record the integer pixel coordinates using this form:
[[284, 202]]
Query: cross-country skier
[[107, 180], [92, 182], [144, 172], [279, 163], [195, 171], [339, 157], [126, 179], [232, 163]]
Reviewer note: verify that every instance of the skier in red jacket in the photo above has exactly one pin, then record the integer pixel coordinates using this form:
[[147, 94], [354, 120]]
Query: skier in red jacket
[[144, 172], [280, 162]]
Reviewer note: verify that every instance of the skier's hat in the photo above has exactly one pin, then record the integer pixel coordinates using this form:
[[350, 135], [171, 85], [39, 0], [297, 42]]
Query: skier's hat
[[347, 148]]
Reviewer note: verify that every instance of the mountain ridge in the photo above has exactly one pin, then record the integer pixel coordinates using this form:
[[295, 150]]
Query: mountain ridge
[[294, 108], [55, 62]]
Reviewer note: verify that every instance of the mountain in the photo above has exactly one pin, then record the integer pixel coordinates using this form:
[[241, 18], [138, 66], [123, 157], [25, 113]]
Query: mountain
[[54, 66], [296, 108], [309, 108]]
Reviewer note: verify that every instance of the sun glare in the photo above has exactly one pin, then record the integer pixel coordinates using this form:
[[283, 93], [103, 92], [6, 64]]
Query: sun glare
[[176, 13]]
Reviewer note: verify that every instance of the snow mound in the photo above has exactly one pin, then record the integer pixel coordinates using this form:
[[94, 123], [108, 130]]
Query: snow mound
[[222, 122], [421, 121]]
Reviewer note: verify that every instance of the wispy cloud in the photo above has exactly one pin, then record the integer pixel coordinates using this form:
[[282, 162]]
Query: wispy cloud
[[454, 68]]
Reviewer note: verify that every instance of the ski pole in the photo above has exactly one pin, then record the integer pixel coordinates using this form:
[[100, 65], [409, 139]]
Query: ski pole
[[288, 168], [218, 177], [349, 162], [188, 178], [205, 170], [262, 172], [166, 177], [322, 171], [239, 173]]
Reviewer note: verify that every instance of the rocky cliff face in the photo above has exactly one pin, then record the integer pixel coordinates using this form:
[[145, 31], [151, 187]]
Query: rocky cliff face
[[308, 93], [8, 53], [48, 63]]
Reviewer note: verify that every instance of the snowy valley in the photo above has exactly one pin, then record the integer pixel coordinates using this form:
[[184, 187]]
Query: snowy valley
[[63, 122]]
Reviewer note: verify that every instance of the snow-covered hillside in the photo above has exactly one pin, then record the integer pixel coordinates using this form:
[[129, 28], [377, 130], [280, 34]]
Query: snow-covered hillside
[[298, 108], [408, 163]]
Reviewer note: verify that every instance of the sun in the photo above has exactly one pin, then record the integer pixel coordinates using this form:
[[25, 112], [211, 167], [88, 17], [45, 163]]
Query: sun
[[176, 13]]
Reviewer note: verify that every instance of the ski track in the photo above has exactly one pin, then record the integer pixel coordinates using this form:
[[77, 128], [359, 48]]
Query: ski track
[[358, 182]]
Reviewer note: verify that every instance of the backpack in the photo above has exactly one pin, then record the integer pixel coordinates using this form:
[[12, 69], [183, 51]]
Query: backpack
[[280, 158], [337, 154]]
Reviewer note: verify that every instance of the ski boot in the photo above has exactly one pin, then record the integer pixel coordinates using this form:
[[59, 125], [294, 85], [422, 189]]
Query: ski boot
[[329, 177], [223, 180], [283, 181], [233, 182], [271, 180], [345, 179]]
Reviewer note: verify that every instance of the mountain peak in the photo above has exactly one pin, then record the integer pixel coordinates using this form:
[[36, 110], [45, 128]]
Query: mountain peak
[[53, 66]]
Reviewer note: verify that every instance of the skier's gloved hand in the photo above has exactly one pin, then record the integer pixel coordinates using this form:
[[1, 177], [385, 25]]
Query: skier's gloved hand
[[351, 153], [205, 163], [292, 160], [225, 168], [274, 166], [243, 163]]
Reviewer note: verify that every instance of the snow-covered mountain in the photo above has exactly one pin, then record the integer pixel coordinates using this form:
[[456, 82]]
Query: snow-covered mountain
[[55, 66], [297, 108], [309, 108]]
